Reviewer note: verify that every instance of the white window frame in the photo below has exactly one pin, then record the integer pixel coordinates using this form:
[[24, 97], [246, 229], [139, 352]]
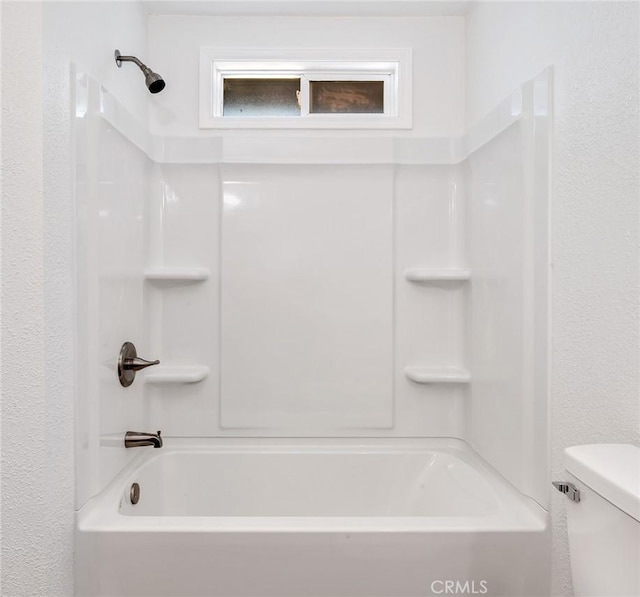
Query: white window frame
[[391, 66]]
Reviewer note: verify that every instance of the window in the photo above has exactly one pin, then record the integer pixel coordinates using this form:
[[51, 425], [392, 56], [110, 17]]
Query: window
[[305, 89]]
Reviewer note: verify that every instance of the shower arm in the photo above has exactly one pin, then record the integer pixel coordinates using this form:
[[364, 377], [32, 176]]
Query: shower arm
[[120, 59]]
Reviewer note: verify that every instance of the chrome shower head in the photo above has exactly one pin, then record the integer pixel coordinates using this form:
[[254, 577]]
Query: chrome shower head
[[155, 83]]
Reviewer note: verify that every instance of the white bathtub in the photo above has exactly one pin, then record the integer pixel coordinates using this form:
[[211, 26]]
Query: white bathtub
[[331, 518]]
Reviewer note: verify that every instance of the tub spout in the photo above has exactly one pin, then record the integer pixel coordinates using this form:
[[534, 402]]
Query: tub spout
[[135, 439]]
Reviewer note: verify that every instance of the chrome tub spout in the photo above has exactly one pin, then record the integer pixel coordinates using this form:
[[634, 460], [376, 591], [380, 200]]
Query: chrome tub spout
[[135, 439]]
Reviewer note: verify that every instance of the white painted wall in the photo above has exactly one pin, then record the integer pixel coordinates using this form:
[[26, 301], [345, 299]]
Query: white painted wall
[[87, 33], [38, 271], [437, 43], [594, 213]]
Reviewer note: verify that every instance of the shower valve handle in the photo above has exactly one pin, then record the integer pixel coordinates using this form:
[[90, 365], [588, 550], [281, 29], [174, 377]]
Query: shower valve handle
[[137, 363], [129, 363]]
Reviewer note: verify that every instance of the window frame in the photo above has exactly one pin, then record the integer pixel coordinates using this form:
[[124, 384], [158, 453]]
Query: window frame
[[393, 66]]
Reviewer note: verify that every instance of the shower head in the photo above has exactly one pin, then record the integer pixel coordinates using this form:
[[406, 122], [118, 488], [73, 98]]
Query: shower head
[[155, 83]]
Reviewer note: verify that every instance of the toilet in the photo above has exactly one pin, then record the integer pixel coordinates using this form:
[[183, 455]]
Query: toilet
[[603, 519]]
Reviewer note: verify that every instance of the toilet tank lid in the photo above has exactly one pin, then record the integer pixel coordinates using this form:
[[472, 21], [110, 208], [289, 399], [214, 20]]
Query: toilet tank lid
[[611, 470]]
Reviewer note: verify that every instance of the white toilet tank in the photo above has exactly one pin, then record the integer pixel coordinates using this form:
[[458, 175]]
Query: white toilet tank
[[604, 526]]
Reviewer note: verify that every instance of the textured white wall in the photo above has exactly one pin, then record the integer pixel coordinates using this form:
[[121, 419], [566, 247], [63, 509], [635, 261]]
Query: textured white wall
[[594, 212], [438, 58], [32, 521], [38, 271]]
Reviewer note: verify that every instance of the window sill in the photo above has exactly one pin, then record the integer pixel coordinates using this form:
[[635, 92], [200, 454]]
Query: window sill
[[308, 122]]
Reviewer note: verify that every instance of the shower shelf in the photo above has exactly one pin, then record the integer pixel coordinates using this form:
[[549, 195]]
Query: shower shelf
[[424, 274], [176, 274], [176, 374], [438, 374]]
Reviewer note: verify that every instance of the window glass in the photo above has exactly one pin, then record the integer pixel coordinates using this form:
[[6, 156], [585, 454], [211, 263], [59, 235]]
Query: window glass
[[261, 97], [346, 97]]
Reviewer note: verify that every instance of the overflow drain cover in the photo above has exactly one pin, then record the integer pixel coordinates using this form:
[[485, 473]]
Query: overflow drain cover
[[134, 493]]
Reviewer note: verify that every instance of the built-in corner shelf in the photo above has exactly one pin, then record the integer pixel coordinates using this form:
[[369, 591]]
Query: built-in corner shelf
[[426, 274], [438, 374], [176, 274], [166, 374]]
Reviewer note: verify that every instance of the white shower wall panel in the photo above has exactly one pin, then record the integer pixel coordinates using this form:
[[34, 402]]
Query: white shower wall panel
[[383, 220], [430, 217], [184, 222], [508, 295], [111, 186], [184, 231], [497, 301], [307, 298]]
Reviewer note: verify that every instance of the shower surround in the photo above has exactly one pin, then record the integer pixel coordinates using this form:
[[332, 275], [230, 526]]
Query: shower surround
[[327, 312]]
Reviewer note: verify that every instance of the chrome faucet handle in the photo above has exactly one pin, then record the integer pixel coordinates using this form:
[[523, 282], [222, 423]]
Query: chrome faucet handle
[[129, 363]]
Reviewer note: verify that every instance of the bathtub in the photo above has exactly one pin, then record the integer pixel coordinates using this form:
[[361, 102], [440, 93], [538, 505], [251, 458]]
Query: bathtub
[[285, 518]]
